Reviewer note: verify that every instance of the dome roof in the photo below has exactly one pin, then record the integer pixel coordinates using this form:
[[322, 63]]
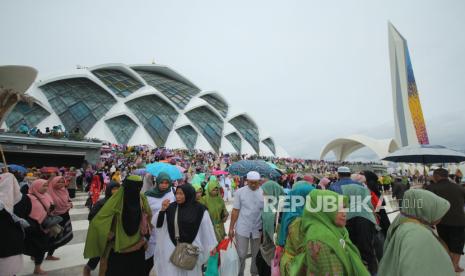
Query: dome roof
[[141, 104]]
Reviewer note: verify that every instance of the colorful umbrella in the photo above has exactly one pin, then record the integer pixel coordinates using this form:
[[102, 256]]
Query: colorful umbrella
[[158, 167], [241, 168], [140, 172], [17, 168], [219, 172], [49, 170]]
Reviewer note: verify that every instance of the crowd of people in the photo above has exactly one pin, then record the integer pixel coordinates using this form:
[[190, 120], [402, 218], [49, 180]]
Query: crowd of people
[[140, 222]]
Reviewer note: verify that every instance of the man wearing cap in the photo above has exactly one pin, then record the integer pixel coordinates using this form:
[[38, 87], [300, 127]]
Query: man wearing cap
[[343, 174], [246, 220]]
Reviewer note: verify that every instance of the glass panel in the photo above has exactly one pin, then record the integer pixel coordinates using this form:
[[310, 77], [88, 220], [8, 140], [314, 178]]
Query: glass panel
[[177, 92], [22, 112], [269, 143], [78, 102], [217, 103], [210, 125], [122, 128], [120, 83], [188, 136], [248, 130], [235, 141], [156, 115]]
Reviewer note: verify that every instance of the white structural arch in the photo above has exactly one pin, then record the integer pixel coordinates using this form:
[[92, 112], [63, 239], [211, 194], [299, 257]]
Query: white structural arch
[[343, 147], [140, 104]]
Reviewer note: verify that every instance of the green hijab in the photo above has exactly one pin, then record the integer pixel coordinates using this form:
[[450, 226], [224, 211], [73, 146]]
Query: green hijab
[[271, 188], [410, 247], [301, 183], [214, 204], [155, 191], [319, 226], [196, 180], [100, 226], [356, 195]]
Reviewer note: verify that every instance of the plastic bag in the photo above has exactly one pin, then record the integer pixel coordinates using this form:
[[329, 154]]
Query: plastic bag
[[275, 271], [212, 266], [229, 260]]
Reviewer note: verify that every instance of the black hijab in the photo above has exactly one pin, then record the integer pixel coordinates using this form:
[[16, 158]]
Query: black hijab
[[131, 204], [372, 182], [190, 215]]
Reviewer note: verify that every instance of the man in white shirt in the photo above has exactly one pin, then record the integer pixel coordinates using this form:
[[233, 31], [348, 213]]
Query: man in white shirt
[[246, 220]]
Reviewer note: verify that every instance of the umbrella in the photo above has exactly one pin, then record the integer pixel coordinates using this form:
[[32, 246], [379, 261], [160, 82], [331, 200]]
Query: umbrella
[[219, 172], [158, 167], [241, 168], [17, 168], [273, 166], [181, 169], [425, 154], [140, 172], [49, 170]]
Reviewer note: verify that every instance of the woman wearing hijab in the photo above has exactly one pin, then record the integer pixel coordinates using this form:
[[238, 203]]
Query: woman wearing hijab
[[323, 184], [156, 196], [289, 232], [147, 183], [373, 185], [62, 203], [110, 190], [71, 176], [37, 241], [216, 208], [195, 227], [118, 232], [95, 188], [328, 249], [361, 223], [11, 232], [411, 247], [116, 177], [271, 191]]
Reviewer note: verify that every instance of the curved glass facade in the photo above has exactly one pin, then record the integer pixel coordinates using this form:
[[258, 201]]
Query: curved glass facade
[[122, 128], [177, 92], [217, 103], [235, 141], [209, 124], [270, 144], [32, 115], [188, 136], [156, 115], [120, 83], [79, 102], [248, 130]]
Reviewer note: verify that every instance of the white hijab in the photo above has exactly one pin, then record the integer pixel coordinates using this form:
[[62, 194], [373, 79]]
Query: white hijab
[[147, 183], [9, 191]]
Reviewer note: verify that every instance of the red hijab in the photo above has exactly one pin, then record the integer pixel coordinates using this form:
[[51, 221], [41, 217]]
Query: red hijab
[[60, 196]]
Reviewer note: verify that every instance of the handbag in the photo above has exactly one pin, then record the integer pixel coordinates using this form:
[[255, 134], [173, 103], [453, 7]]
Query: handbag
[[51, 223], [185, 255]]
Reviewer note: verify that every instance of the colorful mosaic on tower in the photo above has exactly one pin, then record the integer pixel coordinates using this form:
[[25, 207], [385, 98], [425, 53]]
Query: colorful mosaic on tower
[[414, 104]]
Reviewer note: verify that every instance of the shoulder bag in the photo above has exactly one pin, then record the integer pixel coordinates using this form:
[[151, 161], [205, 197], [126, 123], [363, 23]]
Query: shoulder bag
[[51, 224], [185, 255]]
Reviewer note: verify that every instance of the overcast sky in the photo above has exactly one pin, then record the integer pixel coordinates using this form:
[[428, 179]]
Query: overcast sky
[[306, 71]]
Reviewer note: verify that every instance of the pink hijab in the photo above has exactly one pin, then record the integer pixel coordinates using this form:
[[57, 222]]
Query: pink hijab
[[324, 183], [40, 202], [59, 196]]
